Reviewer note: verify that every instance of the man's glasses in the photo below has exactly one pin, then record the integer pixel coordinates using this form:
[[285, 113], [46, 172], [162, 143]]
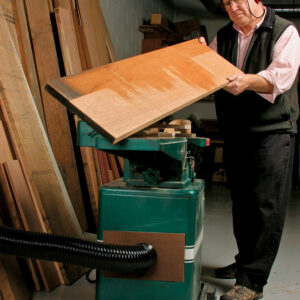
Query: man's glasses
[[227, 4]]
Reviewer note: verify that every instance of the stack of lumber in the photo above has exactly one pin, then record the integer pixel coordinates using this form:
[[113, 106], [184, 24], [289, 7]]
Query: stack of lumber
[[41, 188], [160, 32], [175, 128]]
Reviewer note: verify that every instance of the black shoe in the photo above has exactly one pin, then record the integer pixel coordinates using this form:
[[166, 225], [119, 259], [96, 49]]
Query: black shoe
[[227, 272]]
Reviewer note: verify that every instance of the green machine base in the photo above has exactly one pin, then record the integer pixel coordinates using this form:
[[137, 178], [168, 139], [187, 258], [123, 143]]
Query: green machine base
[[159, 194], [123, 208]]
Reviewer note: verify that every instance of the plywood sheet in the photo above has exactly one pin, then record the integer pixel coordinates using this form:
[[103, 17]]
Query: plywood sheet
[[124, 97]]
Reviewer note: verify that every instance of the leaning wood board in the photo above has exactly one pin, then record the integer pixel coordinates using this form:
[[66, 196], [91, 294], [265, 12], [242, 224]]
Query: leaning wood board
[[16, 222], [57, 121], [12, 285], [72, 62], [32, 147], [93, 36], [30, 140], [26, 54], [32, 220], [124, 97]]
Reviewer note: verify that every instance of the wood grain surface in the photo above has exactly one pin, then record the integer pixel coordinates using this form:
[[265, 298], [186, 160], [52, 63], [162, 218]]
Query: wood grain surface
[[124, 97], [57, 121], [30, 140]]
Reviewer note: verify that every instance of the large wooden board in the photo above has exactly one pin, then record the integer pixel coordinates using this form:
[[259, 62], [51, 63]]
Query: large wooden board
[[32, 220], [26, 54], [94, 41], [33, 149], [30, 141], [15, 220], [124, 97], [72, 62], [57, 122]]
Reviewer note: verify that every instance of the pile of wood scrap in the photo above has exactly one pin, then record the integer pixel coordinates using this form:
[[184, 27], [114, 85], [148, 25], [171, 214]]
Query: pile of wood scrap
[[175, 128], [160, 32], [41, 183]]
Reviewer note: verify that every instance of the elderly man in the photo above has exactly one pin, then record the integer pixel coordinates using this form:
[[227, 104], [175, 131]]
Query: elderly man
[[257, 112]]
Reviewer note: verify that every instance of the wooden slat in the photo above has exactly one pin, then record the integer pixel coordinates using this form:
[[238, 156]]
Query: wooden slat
[[105, 32], [113, 165], [50, 6], [32, 147], [129, 95], [7, 10], [8, 201], [104, 168], [12, 284], [26, 54], [57, 121], [92, 29], [72, 64], [70, 6], [5, 149], [31, 219], [68, 42], [16, 222], [121, 163]]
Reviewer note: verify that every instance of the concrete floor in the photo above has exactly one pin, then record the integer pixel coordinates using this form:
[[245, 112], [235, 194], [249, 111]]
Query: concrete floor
[[219, 249]]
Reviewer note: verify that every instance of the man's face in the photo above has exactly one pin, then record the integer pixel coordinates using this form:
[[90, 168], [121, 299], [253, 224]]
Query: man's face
[[238, 11]]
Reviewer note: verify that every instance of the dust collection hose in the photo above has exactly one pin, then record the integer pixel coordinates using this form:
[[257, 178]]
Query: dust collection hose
[[68, 250]]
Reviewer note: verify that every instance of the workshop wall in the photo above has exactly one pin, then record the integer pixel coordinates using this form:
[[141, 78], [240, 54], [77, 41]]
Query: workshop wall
[[124, 17], [188, 9]]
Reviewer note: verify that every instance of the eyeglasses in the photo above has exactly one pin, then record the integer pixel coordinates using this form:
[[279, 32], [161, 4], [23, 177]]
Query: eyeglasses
[[227, 4]]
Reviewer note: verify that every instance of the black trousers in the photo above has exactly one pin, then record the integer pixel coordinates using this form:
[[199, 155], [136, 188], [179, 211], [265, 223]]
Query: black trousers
[[259, 168]]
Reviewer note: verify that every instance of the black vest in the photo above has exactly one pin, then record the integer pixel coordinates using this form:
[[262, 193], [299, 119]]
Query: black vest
[[249, 111]]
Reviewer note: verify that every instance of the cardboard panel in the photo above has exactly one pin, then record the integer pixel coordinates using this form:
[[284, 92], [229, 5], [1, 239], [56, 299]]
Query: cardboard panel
[[168, 246], [124, 97]]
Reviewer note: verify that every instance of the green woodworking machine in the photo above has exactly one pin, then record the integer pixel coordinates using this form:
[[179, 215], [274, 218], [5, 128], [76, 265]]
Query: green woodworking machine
[[150, 224], [159, 201]]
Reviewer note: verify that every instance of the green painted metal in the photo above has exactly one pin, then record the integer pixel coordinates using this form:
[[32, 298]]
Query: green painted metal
[[87, 137], [159, 193], [153, 162], [122, 208]]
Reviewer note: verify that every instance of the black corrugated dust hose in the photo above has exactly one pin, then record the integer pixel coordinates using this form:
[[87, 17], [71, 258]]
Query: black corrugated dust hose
[[107, 257]]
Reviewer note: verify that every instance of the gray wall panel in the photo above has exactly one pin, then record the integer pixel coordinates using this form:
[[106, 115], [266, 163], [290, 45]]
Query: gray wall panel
[[123, 17]]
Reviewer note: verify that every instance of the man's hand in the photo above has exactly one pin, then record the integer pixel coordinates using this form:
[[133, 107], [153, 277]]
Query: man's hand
[[237, 84], [202, 40], [240, 82]]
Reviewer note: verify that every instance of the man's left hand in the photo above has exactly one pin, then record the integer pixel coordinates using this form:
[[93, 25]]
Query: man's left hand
[[237, 84], [240, 82]]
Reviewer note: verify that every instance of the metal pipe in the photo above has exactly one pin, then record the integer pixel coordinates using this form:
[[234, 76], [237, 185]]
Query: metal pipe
[[292, 11]]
